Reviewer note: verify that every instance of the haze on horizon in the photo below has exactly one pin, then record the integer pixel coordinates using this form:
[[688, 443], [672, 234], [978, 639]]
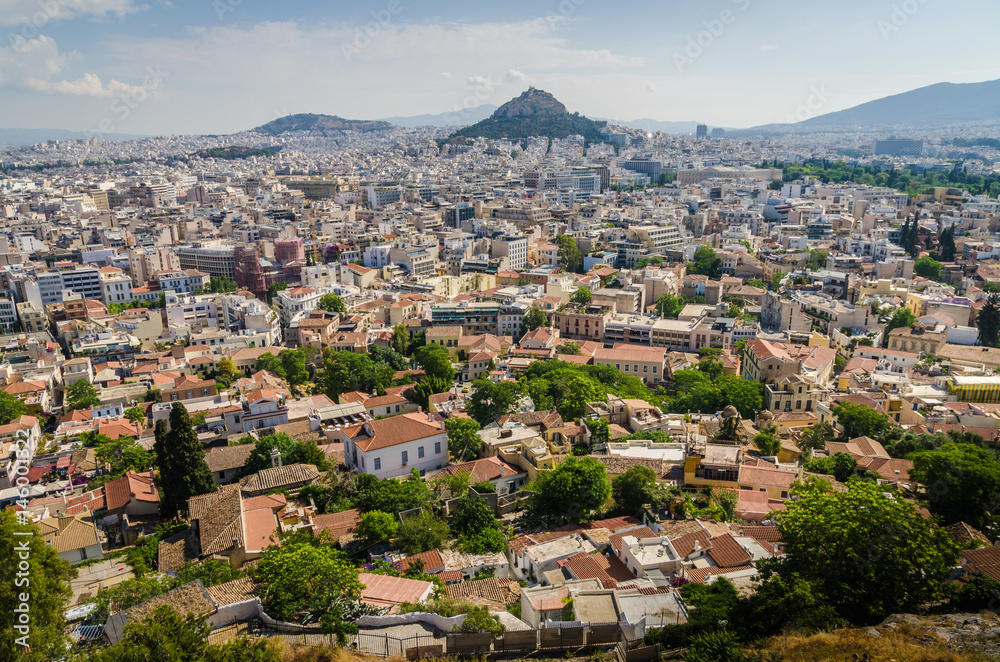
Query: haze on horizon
[[221, 66]]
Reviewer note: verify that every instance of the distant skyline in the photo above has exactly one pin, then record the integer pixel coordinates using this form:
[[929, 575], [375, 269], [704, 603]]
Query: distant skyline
[[219, 66]]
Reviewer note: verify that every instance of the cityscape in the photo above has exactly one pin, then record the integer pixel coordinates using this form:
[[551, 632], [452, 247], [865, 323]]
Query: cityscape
[[447, 348]]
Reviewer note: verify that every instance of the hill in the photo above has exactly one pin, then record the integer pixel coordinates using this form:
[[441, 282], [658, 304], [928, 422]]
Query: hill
[[322, 123], [235, 152], [940, 105], [466, 116], [534, 113]]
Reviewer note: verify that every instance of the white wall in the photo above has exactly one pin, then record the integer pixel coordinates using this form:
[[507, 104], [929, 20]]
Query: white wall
[[391, 463]]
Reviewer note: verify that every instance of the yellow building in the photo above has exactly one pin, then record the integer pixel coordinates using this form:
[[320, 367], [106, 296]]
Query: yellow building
[[975, 389]]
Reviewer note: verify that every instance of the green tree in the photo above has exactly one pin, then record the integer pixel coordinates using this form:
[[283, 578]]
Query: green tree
[[390, 495], [889, 561], [860, 421], [962, 482], [301, 581], [421, 533], [489, 400], [377, 527], [271, 363], [634, 489], [274, 288], [464, 442], [706, 262], [137, 415], [476, 527], [815, 437], [10, 408], [600, 431], [183, 472], [435, 361], [293, 364], [569, 253], [427, 387], [124, 454], [534, 319], [344, 372], [767, 442], [292, 452], [988, 321], [839, 465], [569, 348], [81, 394], [31, 567], [153, 395], [400, 339], [570, 492], [582, 295], [927, 267], [390, 357], [479, 619], [669, 306], [946, 244], [331, 303], [746, 396]]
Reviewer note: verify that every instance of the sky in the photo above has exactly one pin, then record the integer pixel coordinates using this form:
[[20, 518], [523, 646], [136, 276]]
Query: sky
[[161, 67]]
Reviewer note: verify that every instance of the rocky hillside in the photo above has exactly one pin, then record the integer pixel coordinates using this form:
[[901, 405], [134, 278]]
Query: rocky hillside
[[534, 113], [324, 124], [531, 103]]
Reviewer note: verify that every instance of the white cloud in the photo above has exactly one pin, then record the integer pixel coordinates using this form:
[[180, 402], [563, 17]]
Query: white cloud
[[515, 75], [479, 81], [447, 75], [651, 88], [33, 15], [35, 64]]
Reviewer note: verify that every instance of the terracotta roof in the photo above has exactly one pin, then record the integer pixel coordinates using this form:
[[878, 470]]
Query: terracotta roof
[[119, 492], [767, 477], [638, 532], [384, 590], [609, 569], [728, 553], [338, 525], [228, 457], [431, 560], [700, 575], [985, 560], [66, 534], [685, 545], [278, 477], [386, 432], [497, 590], [769, 534], [238, 590], [964, 534]]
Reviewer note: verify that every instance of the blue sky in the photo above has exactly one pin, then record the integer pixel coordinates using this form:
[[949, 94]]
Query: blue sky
[[218, 66]]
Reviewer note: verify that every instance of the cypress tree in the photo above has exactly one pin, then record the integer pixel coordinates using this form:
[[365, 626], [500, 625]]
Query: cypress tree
[[165, 463], [187, 475]]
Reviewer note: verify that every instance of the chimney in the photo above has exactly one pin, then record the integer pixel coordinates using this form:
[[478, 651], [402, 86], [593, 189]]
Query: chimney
[[275, 458], [430, 416]]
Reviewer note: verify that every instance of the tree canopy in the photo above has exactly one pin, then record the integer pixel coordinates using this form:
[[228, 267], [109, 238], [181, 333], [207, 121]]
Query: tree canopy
[[179, 453], [962, 482], [570, 492], [464, 442], [81, 394], [706, 262], [634, 489], [331, 303], [888, 561], [860, 421], [491, 400]]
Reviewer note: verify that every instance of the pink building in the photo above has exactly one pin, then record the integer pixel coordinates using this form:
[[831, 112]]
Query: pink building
[[289, 249]]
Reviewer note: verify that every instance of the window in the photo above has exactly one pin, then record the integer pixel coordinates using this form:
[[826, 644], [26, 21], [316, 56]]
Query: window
[[204, 391], [798, 404], [654, 369], [420, 452], [397, 409], [378, 463], [388, 410], [437, 447], [405, 457], [645, 368]]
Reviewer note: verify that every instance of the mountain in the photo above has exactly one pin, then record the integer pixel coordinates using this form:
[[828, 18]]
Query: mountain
[[936, 106], [534, 113], [455, 118], [321, 123], [35, 136]]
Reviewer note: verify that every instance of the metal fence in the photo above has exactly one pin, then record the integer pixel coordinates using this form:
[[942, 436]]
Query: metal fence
[[382, 645]]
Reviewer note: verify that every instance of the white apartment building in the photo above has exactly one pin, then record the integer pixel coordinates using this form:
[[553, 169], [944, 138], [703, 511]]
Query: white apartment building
[[184, 282], [116, 287], [194, 312], [515, 248], [393, 447], [264, 409], [292, 302]]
